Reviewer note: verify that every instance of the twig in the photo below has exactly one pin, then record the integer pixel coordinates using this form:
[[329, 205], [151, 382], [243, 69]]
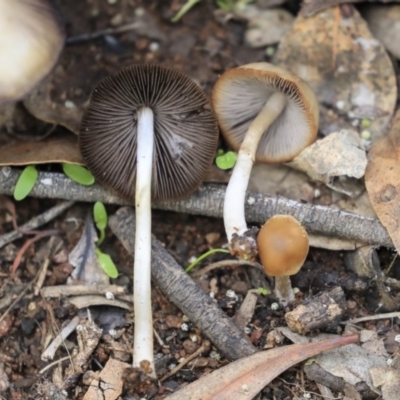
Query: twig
[[395, 314], [80, 290], [184, 292], [35, 222], [204, 347], [49, 353], [208, 201], [109, 31], [225, 263], [53, 364], [19, 297]]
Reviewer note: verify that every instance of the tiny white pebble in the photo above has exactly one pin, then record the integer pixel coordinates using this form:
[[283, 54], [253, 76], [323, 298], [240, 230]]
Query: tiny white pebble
[[139, 12], [270, 51], [109, 296], [32, 306], [247, 330], [351, 114], [251, 201], [231, 294], [79, 328], [274, 306], [212, 295], [193, 338], [185, 318], [171, 367], [185, 327], [355, 122], [389, 361], [192, 259], [317, 193], [154, 46], [69, 104], [112, 332], [340, 104], [215, 355], [47, 181], [307, 395], [245, 388], [397, 338], [296, 290]]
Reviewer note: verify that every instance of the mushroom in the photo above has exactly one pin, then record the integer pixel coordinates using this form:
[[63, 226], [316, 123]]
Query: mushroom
[[283, 248], [32, 38], [148, 134], [269, 115]]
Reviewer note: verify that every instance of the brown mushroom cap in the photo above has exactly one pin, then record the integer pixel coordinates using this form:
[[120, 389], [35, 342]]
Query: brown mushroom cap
[[240, 94], [185, 131], [31, 40], [282, 245]]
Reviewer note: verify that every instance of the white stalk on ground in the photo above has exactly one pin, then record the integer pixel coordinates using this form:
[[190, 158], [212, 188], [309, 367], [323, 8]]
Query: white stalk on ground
[[283, 290], [143, 333], [234, 217]]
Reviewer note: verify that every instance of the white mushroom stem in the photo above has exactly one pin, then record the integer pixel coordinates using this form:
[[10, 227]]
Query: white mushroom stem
[[143, 333], [283, 290], [234, 217]]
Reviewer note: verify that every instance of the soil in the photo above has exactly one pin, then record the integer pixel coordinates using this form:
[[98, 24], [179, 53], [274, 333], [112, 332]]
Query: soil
[[203, 45]]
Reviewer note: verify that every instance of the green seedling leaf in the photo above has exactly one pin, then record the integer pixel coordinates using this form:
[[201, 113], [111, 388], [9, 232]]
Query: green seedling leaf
[[203, 256], [26, 182], [263, 291], [227, 160], [101, 219], [184, 9], [107, 264], [78, 174]]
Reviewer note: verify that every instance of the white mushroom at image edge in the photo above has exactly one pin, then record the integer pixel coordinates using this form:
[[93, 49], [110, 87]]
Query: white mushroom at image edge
[[148, 134], [268, 115], [31, 40]]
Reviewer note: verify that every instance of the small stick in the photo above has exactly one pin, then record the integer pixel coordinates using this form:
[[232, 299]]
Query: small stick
[[395, 314], [81, 290], [208, 200], [225, 263], [204, 347], [35, 222]]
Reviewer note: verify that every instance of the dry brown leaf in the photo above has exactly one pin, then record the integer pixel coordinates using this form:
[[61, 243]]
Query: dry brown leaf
[[52, 149], [347, 67], [382, 179], [244, 378]]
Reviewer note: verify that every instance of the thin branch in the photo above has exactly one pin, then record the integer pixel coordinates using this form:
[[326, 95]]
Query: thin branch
[[208, 200]]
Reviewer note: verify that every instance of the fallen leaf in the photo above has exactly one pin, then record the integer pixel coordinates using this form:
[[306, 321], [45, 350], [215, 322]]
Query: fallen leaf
[[382, 180], [338, 155], [244, 378], [388, 379], [346, 66], [52, 149]]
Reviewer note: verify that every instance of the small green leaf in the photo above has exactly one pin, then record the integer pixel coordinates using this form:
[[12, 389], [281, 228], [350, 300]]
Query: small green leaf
[[107, 264], [78, 174], [101, 219], [25, 183], [184, 9], [263, 291], [227, 160]]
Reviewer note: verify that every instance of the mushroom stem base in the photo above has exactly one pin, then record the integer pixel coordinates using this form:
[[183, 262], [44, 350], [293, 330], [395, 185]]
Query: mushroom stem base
[[283, 290], [143, 332]]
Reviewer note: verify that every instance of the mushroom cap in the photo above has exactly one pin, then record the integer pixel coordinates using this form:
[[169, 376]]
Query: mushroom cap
[[185, 131], [31, 40], [282, 245], [240, 94]]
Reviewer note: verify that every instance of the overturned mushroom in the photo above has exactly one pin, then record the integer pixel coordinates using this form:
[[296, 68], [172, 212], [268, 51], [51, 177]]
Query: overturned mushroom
[[269, 115], [31, 40], [283, 248], [148, 133]]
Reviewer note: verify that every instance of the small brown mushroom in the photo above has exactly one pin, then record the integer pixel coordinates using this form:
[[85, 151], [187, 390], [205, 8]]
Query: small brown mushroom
[[283, 247], [148, 133], [31, 40], [269, 115]]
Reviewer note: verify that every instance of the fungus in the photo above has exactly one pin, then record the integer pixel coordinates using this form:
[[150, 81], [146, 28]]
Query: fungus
[[283, 248], [148, 134], [31, 40], [269, 115]]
